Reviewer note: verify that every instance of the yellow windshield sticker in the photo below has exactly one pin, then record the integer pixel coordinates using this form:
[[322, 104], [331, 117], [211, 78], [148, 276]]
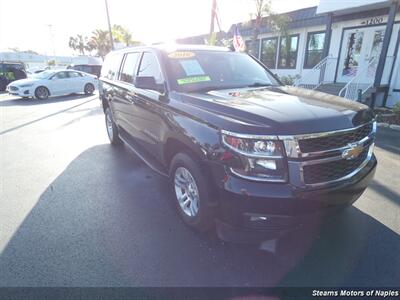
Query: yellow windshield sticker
[[194, 79], [181, 54]]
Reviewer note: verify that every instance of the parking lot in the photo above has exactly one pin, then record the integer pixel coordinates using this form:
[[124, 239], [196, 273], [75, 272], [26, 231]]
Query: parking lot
[[75, 211]]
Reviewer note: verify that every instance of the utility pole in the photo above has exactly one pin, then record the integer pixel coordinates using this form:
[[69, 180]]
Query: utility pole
[[213, 8], [52, 38], [109, 26]]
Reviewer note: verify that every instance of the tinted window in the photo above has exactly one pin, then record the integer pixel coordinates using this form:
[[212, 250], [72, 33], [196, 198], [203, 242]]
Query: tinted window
[[61, 75], [128, 70], [74, 74], [149, 67], [111, 66]]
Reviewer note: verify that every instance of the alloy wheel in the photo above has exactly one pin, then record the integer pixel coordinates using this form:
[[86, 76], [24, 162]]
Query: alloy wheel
[[186, 191]]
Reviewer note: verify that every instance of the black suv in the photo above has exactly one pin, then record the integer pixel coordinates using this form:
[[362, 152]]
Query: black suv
[[240, 149], [9, 72], [91, 69]]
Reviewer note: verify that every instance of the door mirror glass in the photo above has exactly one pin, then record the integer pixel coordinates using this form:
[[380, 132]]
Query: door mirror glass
[[148, 83]]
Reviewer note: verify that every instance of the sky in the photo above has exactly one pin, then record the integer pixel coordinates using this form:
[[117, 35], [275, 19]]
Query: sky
[[25, 23]]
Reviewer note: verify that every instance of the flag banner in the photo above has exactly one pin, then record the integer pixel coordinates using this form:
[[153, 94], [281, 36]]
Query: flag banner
[[238, 42]]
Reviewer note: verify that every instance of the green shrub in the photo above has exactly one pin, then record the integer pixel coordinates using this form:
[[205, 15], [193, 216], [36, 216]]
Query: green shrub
[[289, 79], [396, 108]]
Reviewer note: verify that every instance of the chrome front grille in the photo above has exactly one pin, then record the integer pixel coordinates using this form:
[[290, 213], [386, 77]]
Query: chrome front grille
[[334, 141], [328, 157], [13, 88], [333, 170]]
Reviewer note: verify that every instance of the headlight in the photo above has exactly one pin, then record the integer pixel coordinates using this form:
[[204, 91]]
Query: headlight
[[261, 158], [26, 85]]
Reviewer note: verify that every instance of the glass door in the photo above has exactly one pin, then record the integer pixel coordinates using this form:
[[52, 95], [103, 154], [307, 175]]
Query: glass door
[[360, 54]]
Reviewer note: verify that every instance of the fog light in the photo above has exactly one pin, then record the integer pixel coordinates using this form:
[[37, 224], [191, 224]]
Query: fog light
[[266, 163], [26, 92]]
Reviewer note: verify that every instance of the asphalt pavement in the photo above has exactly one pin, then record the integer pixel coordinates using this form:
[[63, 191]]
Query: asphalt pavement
[[76, 211]]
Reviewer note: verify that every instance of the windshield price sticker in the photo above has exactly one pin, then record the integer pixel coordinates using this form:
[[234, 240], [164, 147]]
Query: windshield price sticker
[[181, 54], [194, 79], [191, 67]]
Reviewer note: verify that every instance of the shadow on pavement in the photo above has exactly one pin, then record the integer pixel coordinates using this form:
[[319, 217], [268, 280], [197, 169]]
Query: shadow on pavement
[[33, 101], [386, 191], [108, 220], [388, 139], [89, 99]]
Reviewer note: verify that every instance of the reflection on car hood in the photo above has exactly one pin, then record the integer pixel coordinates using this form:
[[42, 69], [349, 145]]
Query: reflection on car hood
[[283, 109], [25, 81]]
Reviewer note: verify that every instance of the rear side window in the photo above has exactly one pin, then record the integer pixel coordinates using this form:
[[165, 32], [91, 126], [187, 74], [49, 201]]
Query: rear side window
[[111, 66], [149, 67], [128, 70], [74, 74], [61, 75]]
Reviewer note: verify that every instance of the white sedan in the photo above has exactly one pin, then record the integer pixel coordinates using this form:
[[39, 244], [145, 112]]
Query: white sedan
[[54, 83]]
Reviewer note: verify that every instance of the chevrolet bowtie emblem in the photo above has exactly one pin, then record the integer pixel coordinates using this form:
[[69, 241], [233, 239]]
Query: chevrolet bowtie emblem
[[352, 152]]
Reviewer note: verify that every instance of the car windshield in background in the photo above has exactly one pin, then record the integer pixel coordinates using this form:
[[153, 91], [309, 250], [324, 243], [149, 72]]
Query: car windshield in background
[[43, 75], [195, 71]]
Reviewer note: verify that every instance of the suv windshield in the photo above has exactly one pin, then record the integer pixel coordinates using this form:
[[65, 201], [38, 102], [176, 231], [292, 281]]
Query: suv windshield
[[194, 71]]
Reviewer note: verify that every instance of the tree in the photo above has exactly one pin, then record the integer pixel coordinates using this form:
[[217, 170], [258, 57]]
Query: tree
[[123, 35], [51, 63], [276, 22], [100, 42], [80, 43]]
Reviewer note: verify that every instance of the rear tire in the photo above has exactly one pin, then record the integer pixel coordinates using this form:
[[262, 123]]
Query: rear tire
[[191, 195], [112, 129], [89, 89]]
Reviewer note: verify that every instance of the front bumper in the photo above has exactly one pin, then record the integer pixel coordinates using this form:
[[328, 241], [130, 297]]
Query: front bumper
[[253, 211], [21, 92]]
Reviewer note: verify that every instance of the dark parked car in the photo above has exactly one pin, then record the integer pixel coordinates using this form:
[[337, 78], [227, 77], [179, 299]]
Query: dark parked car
[[9, 72], [240, 149], [91, 69]]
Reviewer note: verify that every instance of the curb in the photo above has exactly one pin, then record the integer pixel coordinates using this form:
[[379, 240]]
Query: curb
[[383, 125], [395, 127], [387, 125]]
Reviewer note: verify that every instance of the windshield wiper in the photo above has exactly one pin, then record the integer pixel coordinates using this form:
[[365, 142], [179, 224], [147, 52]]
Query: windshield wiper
[[259, 84], [214, 88]]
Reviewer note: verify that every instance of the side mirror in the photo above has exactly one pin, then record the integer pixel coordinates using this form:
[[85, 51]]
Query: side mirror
[[148, 83]]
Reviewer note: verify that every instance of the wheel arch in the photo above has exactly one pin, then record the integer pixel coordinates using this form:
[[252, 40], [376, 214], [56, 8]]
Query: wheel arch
[[42, 85], [174, 145]]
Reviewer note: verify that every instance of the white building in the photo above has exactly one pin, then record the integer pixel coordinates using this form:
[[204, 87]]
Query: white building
[[33, 61], [349, 48]]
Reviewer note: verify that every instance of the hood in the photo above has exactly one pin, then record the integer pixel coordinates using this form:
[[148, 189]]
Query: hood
[[24, 81], [281, 110]]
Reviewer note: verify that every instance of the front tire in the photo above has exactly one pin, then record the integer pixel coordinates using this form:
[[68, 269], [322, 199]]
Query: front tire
[[192, 198], [42, 93], [89, 89], [112, 129]]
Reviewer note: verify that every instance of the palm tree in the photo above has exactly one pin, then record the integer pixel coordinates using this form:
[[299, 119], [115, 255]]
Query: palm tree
[[121, 34], [80, 43], [278, 23], [100, 42]]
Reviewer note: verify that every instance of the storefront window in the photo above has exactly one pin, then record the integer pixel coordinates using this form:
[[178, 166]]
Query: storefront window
[[268, 52], [288, 52], [314, 50], [250, 48]]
